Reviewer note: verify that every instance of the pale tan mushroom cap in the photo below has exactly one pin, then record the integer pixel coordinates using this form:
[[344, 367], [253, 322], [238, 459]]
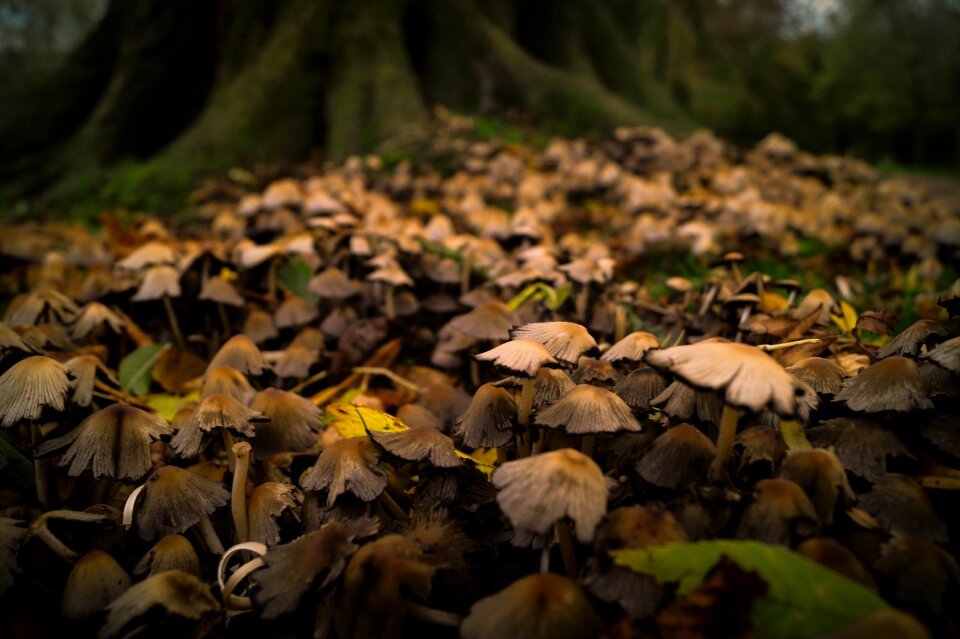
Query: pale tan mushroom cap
[[519, 356], [28, 386], [564, 340], [589, 409], [241, 353], [158, 282], [418, 444], [172, 552], [491, 321], [217, 289], [92, 316], [537, 491], [268, 502], [95, 580], [631, 348], [748, 377], [150, 254], [332, 283], [348, 465]]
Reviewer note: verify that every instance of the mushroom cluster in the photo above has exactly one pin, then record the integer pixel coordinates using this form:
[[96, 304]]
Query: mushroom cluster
[[364, 401]]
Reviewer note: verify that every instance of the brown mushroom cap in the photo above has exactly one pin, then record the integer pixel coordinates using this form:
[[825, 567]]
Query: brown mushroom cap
[[519, 356], [489, 321], [227, 380], [268, 501], [181, 597], [821, 475], [112, 442], [747, 376], [779, 513], [911, 341], [640, 387], [332, 284], [12, 534], [173, 499], [536, 492], [241, 353], [632, 348], [891, 384], [817, 300], [538, 606], [489, 420], [830, 553], [95, 580], [683, 402], [823, 375], [348, 465], [677, 458], [172, 552], [219, 290], [564, 340], [93, 316], [30, 385], [589, 409], [590, 370], [259, 326], [418, 444], [293, 422], [862, 445], [902, 507], [84, 369], [946, 355], [292, 570]]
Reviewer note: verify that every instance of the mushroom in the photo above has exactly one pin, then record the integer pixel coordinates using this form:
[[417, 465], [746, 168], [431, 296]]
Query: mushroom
[[259, 326], [217, 411], [419, 444], [640, 387], [488, 421], [113, 442], [293, 422], [240, 353], [162, 283], [588, 410], [677, 458], [93, 318], [172, 552], [349, 465], [747, 377], [539, 492], [227, 380], [891, 384], [862, 445], [902, 507], [779, 513], [186, 606], [268, 501], [95, 580], [822, 477], [30, 385], [631, 349], [391, 277], [830, 553], [566, 341], [538, 606]]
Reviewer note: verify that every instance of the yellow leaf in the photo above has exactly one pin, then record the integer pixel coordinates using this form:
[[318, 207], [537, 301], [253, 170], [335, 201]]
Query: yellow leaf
[[849, 320], [228, 275], [424, 207], [354, 421], [482, 458], [166, 405], [773, 303]]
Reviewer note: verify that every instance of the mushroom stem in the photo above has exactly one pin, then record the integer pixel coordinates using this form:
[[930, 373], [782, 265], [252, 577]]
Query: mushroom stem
[[728, 432], [526, 406], [432, 615], [708, 300], [40, 470], [174, 326], [238, 491], [222, 310], [392, 506], [791, 298], [619, 322], [581, 301], [209, 535], [793, 435], [389, 305], [588, 444], [474, 373], [228, 443], [567, 550], [58, 547], [465, 270]]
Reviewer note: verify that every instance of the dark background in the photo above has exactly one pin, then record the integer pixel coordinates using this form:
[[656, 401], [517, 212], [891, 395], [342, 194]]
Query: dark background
[[107, 101]]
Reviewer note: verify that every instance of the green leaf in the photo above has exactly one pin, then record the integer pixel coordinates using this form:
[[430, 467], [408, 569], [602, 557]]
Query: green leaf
[[553, 298], [136, 369], [294, 277], [803, 599], [19, 470]]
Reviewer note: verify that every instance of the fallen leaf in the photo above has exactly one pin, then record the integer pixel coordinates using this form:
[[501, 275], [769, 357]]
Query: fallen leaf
[[136, 369]]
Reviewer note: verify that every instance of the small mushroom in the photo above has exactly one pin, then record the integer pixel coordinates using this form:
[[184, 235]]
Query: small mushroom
[[184, 603], [95, 580]]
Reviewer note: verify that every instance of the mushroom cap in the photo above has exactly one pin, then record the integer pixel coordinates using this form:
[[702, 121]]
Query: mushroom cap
[[296, 361], [489, 419], [538, 606], [418, 444], [28, 386], [631, 348], [946, 355], [683, 402], [92, 316], [292, 570], [259, 326], [173, 499], [594, 371], [348, 465], [84, 369], [816, 300], [224, 411], [95, 580], [391, 274], [640, 387], [241, 353], [830, 553], [902, 507], [490, 321], [295, 311], [12, 534], [779, 512], [177, 594], [217, 289], [821, 475], [158, 282], [171, 552], [268, 502], [677, 458], [228, 381], [536, 492], [638, 527], [564, 340], [332, 284], [747, 376], [519, 356], [112, 442], [891, 384], [823, 375], [912, 339], [862, 445], [589, 409], [150, 254], [293, 422]]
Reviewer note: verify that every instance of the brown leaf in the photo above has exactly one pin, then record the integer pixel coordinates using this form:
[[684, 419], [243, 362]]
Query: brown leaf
[[175, 368], [804, 325], [790, 356], [880, 322], [720, 607]]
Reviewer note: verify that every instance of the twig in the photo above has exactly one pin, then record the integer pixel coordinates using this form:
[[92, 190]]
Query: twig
[[800, 342]]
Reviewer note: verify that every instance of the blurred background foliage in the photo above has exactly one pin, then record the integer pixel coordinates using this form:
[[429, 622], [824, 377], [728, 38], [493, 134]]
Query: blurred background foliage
[[114, 100]]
